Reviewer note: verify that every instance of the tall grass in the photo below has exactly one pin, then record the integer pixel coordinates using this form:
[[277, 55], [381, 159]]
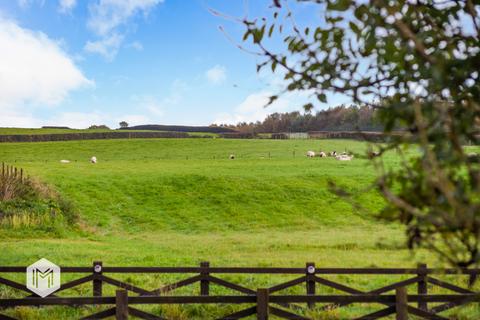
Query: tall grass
[[28, 204]]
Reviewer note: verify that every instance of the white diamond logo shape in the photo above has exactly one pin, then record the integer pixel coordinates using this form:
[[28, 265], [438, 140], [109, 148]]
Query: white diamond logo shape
[[43, 277]]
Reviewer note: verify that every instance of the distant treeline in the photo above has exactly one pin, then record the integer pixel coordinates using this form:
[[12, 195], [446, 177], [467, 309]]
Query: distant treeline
[[158, 127], [341, 118], [55, 127]]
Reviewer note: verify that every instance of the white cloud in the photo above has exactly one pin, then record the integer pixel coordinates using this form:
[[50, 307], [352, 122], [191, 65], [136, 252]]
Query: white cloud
[[24, 4], [82, 120], [155, 107], [66, 6], [15, 118], [134, 119], [34, 71], [108, 16], [217, 74], [135, 45], [78, 120], [107, 47], [253, 109]]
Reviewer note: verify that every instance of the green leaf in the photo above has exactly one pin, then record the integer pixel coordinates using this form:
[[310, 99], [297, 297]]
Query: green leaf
[[322, 97], [339, 5]]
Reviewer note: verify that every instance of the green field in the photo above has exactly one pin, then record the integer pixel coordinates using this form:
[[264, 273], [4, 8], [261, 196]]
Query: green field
[[177, 202]]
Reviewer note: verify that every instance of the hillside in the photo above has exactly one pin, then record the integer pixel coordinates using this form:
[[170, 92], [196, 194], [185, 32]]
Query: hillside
[[143, 190]]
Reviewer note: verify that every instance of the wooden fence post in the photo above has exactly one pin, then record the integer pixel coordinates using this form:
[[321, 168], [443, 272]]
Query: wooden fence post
[[422, 285], [204, 284], [401, 303], [310, 282], [97, 282], [262, 304], [121, 305]]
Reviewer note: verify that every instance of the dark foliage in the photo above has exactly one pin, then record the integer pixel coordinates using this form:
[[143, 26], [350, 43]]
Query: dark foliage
[[158, 127], [55, 127], [341, 118]]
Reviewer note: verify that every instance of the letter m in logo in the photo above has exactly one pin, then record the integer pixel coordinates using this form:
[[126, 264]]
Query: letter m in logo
[[43, 277]]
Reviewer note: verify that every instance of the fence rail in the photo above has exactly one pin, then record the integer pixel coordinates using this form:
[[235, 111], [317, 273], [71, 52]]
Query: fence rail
[[262, 302]]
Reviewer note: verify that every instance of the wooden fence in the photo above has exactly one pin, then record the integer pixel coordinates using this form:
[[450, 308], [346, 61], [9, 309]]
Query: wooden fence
[[11, 173], [11, 180], [259, 302]]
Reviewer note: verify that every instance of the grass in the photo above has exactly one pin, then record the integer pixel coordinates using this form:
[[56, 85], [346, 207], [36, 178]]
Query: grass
[[177, 202]]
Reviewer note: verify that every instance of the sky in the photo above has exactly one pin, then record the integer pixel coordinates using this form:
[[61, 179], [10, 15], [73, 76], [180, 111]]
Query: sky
[[82, 62]]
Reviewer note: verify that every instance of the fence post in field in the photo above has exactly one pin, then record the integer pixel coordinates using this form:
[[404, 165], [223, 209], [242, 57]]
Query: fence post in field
[[310, 282], [204, 284], [262, 304], [401, 303], [422, 285], [97, 282], [121, 305]]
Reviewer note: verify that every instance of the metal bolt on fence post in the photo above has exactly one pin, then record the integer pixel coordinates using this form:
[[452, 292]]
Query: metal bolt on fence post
[[310, 282], [97, 281]]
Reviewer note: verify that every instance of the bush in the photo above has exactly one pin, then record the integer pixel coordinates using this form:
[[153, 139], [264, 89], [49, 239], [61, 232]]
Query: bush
[[30, 204]]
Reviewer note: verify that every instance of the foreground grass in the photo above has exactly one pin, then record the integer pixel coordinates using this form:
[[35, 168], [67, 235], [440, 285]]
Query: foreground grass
[[178, 202]]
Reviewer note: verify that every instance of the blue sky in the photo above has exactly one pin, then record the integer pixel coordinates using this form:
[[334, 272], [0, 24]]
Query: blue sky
[[83, 62]]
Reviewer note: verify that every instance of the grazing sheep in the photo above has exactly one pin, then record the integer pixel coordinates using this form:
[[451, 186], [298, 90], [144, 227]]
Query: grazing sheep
[[93, 159], [322, 154], [310, 154], [373, 154], [231, 157], [333, 154], [64, 161], [344, 157]]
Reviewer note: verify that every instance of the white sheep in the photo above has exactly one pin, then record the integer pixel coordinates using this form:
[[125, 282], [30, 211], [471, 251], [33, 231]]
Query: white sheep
[[322, 154], [232, 157], [310, 154], [344, 157], [93, 159], [64, 161]]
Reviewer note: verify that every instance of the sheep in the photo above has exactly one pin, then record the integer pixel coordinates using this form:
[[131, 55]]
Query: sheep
[[93, 159], [333, 154], [232, 157], [373, 154], [322, 154], [64, 161], [310, 154], [344, 157]]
